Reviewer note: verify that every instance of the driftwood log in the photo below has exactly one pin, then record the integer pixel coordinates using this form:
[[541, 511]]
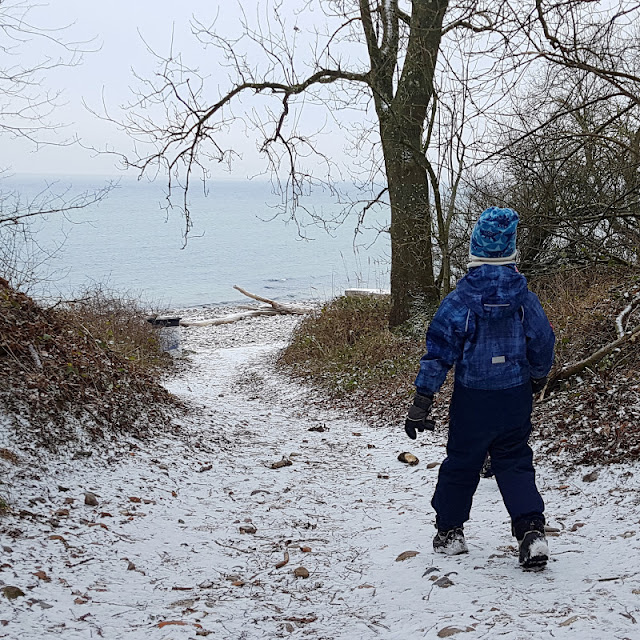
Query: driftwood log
[[276, 308]]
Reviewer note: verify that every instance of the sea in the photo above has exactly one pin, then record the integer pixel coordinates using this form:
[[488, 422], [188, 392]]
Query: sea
[[132, 244]]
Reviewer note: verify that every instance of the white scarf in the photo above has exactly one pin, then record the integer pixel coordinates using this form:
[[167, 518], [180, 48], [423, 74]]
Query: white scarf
[[476, 261]]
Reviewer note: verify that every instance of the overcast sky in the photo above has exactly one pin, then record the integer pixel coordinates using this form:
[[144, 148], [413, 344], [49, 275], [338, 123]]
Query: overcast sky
[[114, 28]]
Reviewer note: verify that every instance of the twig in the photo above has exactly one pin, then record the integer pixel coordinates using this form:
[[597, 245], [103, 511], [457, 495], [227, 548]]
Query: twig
[[282, 563]]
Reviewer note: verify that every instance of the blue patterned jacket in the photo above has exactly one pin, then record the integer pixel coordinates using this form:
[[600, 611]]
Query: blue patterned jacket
[[493, 329]]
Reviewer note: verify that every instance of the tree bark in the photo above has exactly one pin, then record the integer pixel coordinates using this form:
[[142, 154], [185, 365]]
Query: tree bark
[[412, 276], [402, 120]]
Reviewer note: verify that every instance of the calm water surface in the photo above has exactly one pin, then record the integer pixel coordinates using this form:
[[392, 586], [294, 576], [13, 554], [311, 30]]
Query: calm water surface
[[129, 243]]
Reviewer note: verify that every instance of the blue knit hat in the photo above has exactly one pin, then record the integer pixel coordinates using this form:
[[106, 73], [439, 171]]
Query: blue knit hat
[[494, 235]]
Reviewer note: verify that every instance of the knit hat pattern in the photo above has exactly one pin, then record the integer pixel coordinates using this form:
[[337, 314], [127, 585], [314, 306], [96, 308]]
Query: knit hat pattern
[[494, 235]]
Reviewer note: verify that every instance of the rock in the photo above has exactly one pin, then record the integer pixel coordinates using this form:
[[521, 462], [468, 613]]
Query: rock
[[131, 566], [247, 528], [443, 582], [90, 499], [320, 429], [207, 584], [301, 572], [405, 555], [207, 467], [408, 458], [285, 462], [590, 477], [11, 593]]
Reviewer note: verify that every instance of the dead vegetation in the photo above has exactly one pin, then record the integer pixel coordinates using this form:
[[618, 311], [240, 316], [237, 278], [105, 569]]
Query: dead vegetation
[[89, 366], [348, 353]]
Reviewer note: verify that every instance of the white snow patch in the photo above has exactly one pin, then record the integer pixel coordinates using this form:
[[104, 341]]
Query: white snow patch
[[164, 543]]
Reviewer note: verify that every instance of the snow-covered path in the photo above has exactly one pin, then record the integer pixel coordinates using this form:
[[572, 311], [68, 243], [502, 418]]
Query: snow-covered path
[[169, 551]]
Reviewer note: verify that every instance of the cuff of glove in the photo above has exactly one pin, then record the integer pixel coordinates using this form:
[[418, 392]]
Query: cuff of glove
[[423, 401]]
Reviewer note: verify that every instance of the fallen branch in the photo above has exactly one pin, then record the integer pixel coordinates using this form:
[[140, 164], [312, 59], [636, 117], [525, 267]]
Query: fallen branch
[[234, 317], [625, 314], [282, 563], [570, 370], [276, 308]]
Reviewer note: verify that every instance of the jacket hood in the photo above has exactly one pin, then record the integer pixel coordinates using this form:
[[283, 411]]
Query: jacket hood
[[495, 290]]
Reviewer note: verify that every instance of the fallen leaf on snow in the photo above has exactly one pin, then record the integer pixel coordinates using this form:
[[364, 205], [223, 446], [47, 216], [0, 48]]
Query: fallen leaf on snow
[[590, 477], [179, 623], [432, 465], [307, 620], [301, 572], [41, 575], [569, 621], [447, 632], [405, 555], [305, 549], [247, 528]]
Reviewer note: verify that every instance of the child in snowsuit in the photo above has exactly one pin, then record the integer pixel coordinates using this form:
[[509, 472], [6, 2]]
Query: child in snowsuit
[[495, 332]]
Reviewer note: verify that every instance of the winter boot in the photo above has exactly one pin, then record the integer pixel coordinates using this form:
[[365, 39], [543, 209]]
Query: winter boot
[[534, 551], [451, 542]]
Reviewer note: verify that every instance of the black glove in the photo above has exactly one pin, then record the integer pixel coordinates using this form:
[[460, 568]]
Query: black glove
[[538, 384], [417, 419]]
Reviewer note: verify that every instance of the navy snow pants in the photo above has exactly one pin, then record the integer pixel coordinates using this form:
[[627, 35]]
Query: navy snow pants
[[481, 421]]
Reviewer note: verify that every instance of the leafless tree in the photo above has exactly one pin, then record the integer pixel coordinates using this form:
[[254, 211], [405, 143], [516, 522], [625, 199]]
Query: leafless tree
[[379, 58], [27, 110]]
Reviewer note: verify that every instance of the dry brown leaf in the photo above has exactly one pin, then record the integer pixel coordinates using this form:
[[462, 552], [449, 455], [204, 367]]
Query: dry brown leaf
[[405, 555], [41, 575]]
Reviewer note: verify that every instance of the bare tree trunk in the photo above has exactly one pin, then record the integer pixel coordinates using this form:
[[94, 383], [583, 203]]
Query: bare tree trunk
[[412, 277]]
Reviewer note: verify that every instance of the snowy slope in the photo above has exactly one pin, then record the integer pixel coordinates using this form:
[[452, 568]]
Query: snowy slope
[[164, 555]]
